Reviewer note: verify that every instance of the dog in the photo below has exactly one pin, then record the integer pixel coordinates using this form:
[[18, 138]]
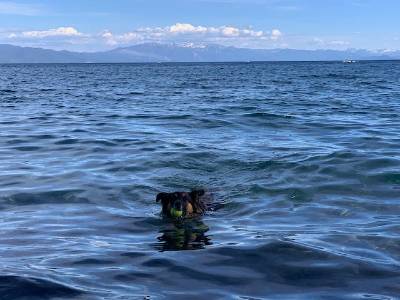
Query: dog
[[183, 204]]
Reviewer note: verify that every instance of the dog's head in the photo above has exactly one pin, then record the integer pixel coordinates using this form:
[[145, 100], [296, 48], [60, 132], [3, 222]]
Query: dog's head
[[181, 204]]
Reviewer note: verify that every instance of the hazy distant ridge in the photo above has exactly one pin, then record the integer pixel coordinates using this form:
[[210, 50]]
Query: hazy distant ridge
[[152, 52]]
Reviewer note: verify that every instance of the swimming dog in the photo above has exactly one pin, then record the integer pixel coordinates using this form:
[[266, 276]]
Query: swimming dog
[[183, 204]]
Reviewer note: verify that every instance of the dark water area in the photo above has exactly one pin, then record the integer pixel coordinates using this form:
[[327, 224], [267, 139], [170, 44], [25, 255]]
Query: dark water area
[[302, 158]]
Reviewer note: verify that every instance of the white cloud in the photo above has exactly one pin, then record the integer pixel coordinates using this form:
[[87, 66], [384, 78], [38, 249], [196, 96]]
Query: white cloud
[[57, 38], [276, 34], [60, 31], [186, 28], [177, 33], [318, 41], [185, 32], [125, 38], [14, 8], [57, 32], [230, 31], [339, 43]]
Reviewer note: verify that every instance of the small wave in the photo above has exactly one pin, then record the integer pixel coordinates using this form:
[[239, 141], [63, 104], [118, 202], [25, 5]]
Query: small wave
[[27, 148], [99, 142], [56, 197], [43, 136], [132, 93], [386, 177], [288, 261], [265, 115], [66, 142], [341, 76], [17, 287], [7, 91], [175, 117], [47, 89]]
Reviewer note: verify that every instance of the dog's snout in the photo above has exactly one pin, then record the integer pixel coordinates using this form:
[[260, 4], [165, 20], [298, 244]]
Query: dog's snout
[[178, 205]]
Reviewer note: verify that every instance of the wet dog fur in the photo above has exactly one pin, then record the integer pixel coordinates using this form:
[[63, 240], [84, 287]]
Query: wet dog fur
[[190, 203]]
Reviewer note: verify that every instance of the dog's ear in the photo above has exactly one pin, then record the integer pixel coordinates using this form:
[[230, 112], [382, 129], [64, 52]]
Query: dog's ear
[[197, 203], [165, 199], [196, 194], [162, 197]]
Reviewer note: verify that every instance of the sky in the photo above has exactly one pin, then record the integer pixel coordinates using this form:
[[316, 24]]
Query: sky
[[94, 25]]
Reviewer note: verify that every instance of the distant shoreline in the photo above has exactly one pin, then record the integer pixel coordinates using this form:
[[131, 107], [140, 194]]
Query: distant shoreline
[[166, 53], [195, 62]]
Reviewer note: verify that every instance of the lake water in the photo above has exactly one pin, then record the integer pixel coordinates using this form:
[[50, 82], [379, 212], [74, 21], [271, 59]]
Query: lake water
[[303, 158]]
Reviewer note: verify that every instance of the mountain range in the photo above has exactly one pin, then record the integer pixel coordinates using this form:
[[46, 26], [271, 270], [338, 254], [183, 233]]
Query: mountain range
[[155, 52]]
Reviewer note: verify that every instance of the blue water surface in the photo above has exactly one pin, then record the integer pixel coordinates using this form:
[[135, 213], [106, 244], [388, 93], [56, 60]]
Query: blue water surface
[[303, 158]]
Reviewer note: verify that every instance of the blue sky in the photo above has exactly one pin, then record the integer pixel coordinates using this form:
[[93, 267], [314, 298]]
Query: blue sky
[[89, 25]]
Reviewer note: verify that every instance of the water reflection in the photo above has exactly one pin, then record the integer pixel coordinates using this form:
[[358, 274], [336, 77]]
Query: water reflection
[[183, 235]]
